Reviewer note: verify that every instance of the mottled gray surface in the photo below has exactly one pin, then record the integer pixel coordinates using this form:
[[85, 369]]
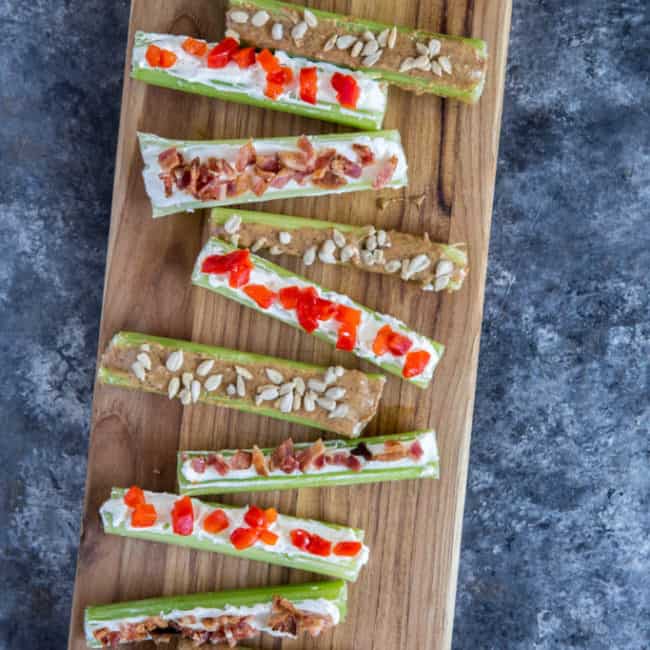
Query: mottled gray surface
[[556, 548]]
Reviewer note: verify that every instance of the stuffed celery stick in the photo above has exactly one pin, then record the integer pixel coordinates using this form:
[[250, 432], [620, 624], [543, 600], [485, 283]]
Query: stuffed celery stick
[[276, 81], [414, 59], [188, 175], [321, 464], [379, 338], [432, 265], [220, 617], [250, 532], [192, 372]]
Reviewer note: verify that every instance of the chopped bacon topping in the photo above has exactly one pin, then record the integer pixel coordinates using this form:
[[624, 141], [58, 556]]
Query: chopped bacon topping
[[169, 159], [259, 462], [198, 465], [245, 156], [286, 617], [283, 458], [268, 163], [364, 153], [219, 462], [241, 460], [307, 457], [385, 173], [343, 166]]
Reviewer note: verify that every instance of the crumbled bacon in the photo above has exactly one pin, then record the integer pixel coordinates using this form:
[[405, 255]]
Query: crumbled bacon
[[343, 166], [259, 462], [305, 145], [195, 174], [198, 465], [282, 178], [169, 159], [415, 450], [393, 450], [330, 180], [219, 462], [238, 186], [168, 183], [215, 189], [322, 162], [268, 163], [241, 460], [309, 455], [245, 156], [286, 617], [364, 153], [283, 457], [296, 160], [385, 173]]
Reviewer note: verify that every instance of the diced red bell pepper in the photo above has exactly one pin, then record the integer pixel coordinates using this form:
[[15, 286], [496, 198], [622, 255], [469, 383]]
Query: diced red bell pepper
[[306, 311], [289, 297], [300, 538], [134, 497], [268, 61], [245, 57], [239, 277], [380, 344], [283, 76], [183, 516], [255, 517], [325, 309], [221, 53], [271, 515], [153, 55], [347, 89], [195, 46], [215, 522], [415, 363], [242, 538], [308, 85], [268, 537], [348, 315], [227, 262], [261, 295], [167, 59], [319, 546], [144, 516], [347, 338], [347, 549], [273, 90], [399, 344]]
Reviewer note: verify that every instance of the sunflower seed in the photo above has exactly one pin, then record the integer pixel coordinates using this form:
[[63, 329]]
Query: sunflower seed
[[258, 244], [174, 361], [195, 390], [231, 389], [344, 42], [339, 370], [310, 256], [422, 63], [339, 412], [371, 59], [232, 224], [187, 379], [258, 400], [244, 372], [231, 33], [330, 376], [145, 360], [444, 269], [427, 287], [326, 252], [172, 388], [407, 64], [371, 243], [338, 237], [297, 402], [205, 367], [434, 47], [145, 347], [309, 401], [366, 258], [378, 256], [419, 263], [422, 49], [286, 403], [260, 18], [382, 239], [370, 47], [326, 403], [316, 385], [277, 32], [405, 267], [392, 37], [286, 388], [274, 375], [393, 266], [382, 39], [298, 32], [445, 64], [356, 49], [348, 252], [212, 383], [234, 239], [368, 35], [138, 370], [436, 69], [335, 392], [275, 250], [186, 397], [330, 43], [299, 384], [284, 237], [310, 19], [268, 394], [240, 17]]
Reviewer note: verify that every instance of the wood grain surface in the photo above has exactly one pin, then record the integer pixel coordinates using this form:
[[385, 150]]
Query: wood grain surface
[[405, 596]]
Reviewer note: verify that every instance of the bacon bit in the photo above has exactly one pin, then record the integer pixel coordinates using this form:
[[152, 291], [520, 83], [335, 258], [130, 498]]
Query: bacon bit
[[362, 450], [241, 460], [385, 173], [308, 456], [330, 181], [296, 160], [134, 497], [283, 457], [259, 185], [305, 145], [238, 186], [183, 516], [393, 450], [194, 46], [216, 189], [215, 522], [343, 166], [268, 163], [415, 450], [287, 618], [282, 178], [364, 153], [198, 465], [255, 517], [259, 462], [319, 462], [268, 537], [243, 538], [261, 295], [169, 159], [245, 156], [219, 462], [415, 363], [144, 516], [347, 549], [195, 174]]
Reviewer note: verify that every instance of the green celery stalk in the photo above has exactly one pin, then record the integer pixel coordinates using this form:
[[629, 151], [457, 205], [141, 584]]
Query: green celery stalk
[[442, 86], [218, 246], [334, 591], [338, 567], [151, 145], [225, 485], [358, 119], [280, 222], [127, 380]]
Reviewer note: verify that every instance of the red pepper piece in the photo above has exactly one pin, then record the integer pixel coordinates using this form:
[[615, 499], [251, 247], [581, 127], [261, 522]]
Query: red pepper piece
[[319, 546], [289, 297], [153, 55], [348, 315], [300, 538], [399, 344], [347, 549], [134, 497], [347, 89], [268, 537], [283, 76], [415, 363], [220, 54], [242, 538], [255, 517], [215, 522], [268, 61], [273, 90], [271, 515], [347, 338], [183, 516], [380, 344], [144, 516], [261, 295], [239, 277], [167, 59], [325, 309], [226, 263], [308, 85], [194, 46], [306, 312], [245, 57]]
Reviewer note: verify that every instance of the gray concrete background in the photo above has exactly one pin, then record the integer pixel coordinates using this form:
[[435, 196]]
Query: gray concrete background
[[556, 546]]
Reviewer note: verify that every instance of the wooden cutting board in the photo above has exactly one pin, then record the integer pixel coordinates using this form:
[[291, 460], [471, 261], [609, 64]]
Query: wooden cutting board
[[405, 596]]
